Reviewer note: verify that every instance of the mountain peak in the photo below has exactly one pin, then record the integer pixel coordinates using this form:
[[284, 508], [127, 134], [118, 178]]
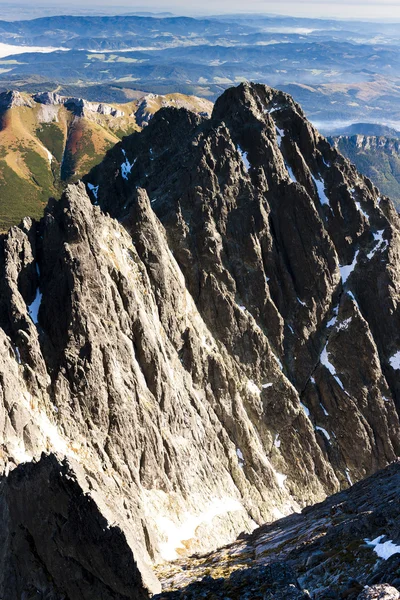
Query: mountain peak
[[209, 324]]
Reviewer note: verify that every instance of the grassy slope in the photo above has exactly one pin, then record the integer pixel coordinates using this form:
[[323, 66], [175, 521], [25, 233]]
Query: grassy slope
[[28, 134]]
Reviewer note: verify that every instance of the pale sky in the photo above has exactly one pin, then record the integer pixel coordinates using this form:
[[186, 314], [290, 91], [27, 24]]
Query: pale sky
[[385, 10]]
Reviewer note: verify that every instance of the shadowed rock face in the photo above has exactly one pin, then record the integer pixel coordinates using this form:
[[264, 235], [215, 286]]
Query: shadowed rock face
[[214, 343], [55, 543]]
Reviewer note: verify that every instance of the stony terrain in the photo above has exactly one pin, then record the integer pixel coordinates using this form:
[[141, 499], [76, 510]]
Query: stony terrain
[[333, 550], [209, 327]]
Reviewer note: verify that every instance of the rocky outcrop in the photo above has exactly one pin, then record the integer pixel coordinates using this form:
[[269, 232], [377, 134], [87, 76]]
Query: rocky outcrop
[[12, 98], [347, 547], [55, 541], [213, 334]]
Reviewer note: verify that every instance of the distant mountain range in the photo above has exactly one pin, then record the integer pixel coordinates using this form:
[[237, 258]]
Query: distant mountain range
[[368, 129], [337, 70], [47, 141]]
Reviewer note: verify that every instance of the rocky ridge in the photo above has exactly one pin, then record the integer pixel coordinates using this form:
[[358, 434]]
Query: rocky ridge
[[212, 334]]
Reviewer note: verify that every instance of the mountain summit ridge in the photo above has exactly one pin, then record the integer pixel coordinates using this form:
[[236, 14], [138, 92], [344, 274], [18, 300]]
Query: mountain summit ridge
[[212, 335]]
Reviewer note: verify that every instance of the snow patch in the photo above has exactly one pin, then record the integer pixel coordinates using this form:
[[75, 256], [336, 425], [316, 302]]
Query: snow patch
[[394, 361], [279, 135], [244, 159], [383, 549], [277, 441], [344, 324], [266, 385], [240, 456], [348, 477], [278, 361], [320, 185], [380, 243], [306, 410], [33, 308], [94, 189], [346, 270], [17, 355], [324, 431], [280, 478], [252, 388], [126, 167], [324, 409], [291, 174], [326, 362], [360, 210]]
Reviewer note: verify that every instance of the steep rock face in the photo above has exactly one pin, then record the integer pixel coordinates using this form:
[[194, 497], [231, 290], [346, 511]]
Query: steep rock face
[[110, 343], [273, 228], [56, 543], [169, 345]]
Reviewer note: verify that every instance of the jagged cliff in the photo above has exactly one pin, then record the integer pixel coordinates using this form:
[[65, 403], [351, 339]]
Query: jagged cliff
[[213, 334]]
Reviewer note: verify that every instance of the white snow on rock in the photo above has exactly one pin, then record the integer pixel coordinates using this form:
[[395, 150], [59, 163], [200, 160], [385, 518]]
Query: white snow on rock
[[332, 321], [126, 167], [240, 456], [394, 360], [253, 389], [277, 441], [94, 189], [266, 385], [306, 410], [360, 210], [320, 185], [244, 159], [324, 431], [324, 409], [280, 478], [346, 270], [278, 362], [380, 243], [17, 355], [291, 174], [301, 302], [383, 549], [326, 362], [33, 308], [279, 135], [348, 477], [344, 324], [353, 298]]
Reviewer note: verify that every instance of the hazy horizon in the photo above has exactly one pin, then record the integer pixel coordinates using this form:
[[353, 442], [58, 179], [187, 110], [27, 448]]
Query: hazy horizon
[[386, 11]]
